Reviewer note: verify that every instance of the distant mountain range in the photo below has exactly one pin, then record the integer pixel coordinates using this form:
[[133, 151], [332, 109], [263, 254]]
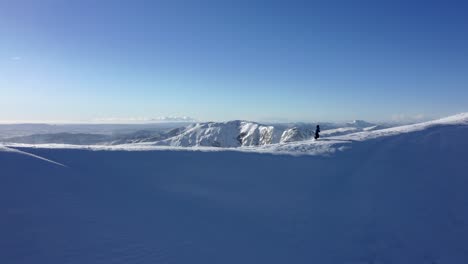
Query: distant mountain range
[[229, 134]]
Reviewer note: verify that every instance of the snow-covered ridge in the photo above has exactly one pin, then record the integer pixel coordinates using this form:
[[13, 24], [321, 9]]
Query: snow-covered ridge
[[329, 145], [239, 133], [213, 134], [252, 137], [459, 119], [235, 134]]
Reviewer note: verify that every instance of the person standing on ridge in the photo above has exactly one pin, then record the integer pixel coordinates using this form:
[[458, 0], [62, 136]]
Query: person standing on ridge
[[317, 131]]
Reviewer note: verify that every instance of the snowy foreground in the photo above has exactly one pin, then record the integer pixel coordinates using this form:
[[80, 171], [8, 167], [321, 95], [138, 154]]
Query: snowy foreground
[[396, 195]]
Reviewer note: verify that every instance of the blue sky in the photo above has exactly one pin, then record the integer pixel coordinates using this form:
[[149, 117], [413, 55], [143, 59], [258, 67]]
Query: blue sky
[[219, 60]]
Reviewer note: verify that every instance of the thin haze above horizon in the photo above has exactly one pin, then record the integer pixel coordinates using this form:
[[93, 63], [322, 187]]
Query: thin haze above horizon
[[222, 60]]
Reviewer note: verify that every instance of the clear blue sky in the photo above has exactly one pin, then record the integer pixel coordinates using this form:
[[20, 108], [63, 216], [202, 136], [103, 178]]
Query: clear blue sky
[[220, 60]]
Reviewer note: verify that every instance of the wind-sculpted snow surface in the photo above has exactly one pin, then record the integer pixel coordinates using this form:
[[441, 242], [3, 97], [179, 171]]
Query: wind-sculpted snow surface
[[394, 198]]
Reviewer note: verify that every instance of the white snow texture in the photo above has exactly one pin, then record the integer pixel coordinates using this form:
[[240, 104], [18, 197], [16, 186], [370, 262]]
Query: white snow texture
[[396, 195]]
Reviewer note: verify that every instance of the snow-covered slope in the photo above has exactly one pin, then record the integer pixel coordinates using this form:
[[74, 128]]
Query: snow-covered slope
[[351, 127], [460, 119], [394, 196], [331, 144], [296, 134], [23, 153], [339, 131]]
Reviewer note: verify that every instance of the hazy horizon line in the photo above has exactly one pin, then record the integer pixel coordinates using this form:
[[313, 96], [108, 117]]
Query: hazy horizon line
[[395, 119]]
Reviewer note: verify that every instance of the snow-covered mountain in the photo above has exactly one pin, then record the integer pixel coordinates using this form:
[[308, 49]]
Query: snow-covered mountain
[[127, 137], [144, 136], [394, 195], [236, 134], [222, 134], [296, 134], [359, 124], [231, 134], [61, 138], [239, 133], [209, 134]]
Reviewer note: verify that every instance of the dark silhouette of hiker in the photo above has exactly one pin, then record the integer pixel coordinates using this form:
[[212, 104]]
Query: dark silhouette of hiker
[[317, 131]]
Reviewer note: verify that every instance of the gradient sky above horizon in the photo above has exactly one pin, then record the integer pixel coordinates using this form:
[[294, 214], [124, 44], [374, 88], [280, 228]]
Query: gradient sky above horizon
[[221, 60]]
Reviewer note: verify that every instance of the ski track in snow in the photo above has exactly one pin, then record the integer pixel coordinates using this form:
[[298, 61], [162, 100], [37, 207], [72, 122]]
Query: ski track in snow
[[7, 149]]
